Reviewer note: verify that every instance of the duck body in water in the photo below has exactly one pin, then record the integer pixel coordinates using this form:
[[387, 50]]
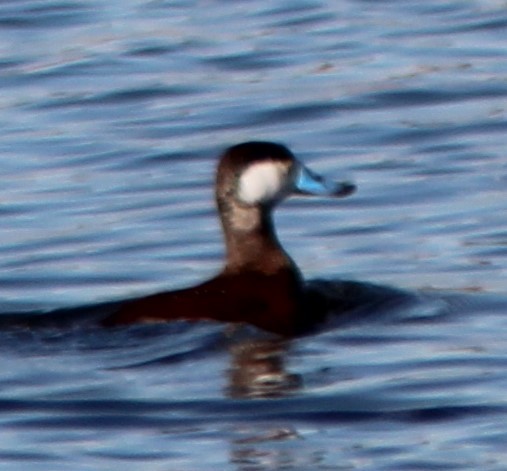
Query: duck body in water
[[260, 284]]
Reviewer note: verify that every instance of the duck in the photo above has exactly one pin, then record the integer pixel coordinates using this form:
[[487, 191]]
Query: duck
[[260, 284]]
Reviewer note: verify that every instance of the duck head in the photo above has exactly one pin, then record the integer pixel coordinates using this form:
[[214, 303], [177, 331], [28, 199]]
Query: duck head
[[252, 178]]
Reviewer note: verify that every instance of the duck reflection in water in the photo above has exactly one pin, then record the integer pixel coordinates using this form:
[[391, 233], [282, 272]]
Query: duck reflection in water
[[258, 369]]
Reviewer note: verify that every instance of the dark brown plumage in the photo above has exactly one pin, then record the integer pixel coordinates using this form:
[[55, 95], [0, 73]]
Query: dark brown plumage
[[259, 284]]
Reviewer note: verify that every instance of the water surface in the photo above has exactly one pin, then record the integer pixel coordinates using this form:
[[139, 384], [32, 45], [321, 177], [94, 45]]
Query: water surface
[[111, 118]]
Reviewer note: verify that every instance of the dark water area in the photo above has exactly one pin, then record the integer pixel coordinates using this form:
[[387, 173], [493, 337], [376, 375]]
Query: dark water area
[[112, 115]]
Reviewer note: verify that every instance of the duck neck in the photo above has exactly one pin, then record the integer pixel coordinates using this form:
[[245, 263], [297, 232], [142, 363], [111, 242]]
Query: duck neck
[[251, 242]]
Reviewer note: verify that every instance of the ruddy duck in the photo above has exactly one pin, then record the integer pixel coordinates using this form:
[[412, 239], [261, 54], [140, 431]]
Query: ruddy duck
[[259, 284]]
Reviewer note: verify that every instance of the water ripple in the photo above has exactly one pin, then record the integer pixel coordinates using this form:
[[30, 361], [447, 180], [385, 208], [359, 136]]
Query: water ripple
[[112, 116]]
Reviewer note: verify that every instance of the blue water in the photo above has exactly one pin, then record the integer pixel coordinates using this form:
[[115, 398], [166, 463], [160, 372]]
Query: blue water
[[111, 118]]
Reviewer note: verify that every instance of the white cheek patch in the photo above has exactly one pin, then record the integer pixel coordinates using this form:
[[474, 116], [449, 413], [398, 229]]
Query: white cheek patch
[[263, 182]]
